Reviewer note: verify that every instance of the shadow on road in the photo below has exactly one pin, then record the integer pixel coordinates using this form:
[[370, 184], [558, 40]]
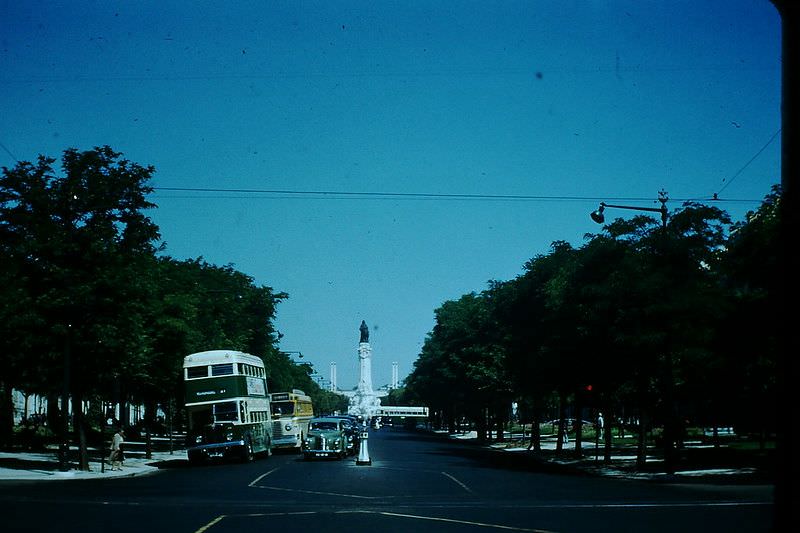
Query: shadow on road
[[28, 464], [711, 466]]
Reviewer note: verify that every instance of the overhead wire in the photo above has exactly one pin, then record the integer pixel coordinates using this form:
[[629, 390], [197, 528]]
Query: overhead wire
[[363, 195], [238, 193], [738, 173], [4, 147]]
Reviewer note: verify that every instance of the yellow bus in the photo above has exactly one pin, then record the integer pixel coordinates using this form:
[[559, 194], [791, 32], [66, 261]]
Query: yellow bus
[[291, 413]]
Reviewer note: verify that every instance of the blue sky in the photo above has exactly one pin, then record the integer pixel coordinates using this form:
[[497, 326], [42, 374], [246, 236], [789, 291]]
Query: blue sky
[[563, 103]]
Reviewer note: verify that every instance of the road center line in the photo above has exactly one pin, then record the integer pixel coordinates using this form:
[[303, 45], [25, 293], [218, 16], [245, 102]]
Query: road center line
[[289, 513], [262, 476], [284, 489], [657, 505], [463, 486], [465, 522]]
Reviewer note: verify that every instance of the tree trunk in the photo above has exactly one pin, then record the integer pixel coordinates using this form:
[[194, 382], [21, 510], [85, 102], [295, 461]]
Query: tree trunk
[[6, 415], [149, 416], [481, 425], [562, 415], [451, 421], [670, 415], [578, 424], [53, 413], [536, 429], [641, 445], [79, 424], [536, 434], [501, 425], [609, 418]]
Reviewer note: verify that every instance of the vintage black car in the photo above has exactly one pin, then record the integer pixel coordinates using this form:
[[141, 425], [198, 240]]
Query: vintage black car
[[326, 437], [352, 429]]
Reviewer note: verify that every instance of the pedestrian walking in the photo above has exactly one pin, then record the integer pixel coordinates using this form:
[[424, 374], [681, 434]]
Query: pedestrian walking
[[600, 424], [117, 455]]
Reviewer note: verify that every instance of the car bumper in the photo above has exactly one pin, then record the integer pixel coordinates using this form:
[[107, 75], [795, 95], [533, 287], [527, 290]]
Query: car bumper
[[216, 450], [322, 453], [292, 441]]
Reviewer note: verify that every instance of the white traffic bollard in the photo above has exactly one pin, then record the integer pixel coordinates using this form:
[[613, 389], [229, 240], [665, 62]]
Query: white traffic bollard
[[363, 450]]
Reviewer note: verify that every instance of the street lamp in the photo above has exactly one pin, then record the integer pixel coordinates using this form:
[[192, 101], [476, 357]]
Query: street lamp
[[299, 354], [669, 433], [599, 217]]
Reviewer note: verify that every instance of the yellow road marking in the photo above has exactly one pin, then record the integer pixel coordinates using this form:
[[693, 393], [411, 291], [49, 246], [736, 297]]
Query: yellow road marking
[[463, 486], [259, 478], [211, 524]]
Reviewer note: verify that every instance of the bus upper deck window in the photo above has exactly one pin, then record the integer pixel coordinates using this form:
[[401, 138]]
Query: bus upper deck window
[[222, 370], [196, 372]]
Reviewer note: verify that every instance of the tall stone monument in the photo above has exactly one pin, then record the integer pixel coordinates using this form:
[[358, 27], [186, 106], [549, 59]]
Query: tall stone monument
[[364, 402]]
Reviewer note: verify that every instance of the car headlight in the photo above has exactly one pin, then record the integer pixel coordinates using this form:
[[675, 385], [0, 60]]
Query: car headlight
[[288, 427]]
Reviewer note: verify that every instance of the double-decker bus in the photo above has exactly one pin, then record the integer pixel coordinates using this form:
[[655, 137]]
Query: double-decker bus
[[291, 413], [228, 405]]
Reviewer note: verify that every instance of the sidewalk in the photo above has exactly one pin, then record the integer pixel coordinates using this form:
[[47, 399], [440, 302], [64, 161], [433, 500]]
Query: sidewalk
[[622, 465], [43, 466]]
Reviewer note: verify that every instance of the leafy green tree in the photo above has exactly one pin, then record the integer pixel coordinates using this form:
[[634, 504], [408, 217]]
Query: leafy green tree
[[539, 337], [461, 370], [667, 308], [748, 342], [433, 382], [79, 236], [194, 306]]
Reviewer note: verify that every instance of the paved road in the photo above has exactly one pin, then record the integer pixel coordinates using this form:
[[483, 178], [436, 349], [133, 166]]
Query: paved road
[[415, 483]]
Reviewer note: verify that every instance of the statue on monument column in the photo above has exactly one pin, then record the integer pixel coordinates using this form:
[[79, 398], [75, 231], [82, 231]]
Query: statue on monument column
[[364, 332]]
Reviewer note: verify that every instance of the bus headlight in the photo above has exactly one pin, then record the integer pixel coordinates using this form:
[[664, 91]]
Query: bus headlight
[[288, 427], [198, 439], [229, 436]]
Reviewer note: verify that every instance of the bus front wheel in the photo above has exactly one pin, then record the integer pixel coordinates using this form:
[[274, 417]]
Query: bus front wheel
[[249, 455]]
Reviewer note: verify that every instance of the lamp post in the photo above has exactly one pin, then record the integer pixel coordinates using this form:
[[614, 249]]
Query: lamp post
[[599, 217], [669, 422], [299, 355], [63, 447]]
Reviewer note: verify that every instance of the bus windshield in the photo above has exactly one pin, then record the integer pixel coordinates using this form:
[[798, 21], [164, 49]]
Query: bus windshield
[[225, 412], [282, 408]]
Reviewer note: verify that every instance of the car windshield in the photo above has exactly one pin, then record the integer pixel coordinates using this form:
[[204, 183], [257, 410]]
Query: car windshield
[[324, 425]]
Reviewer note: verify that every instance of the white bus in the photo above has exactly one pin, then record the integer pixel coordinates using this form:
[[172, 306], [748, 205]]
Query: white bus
[[227, 404], [291, 413]]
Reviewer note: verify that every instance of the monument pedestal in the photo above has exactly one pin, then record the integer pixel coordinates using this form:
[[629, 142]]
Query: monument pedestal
[[364, 402]]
